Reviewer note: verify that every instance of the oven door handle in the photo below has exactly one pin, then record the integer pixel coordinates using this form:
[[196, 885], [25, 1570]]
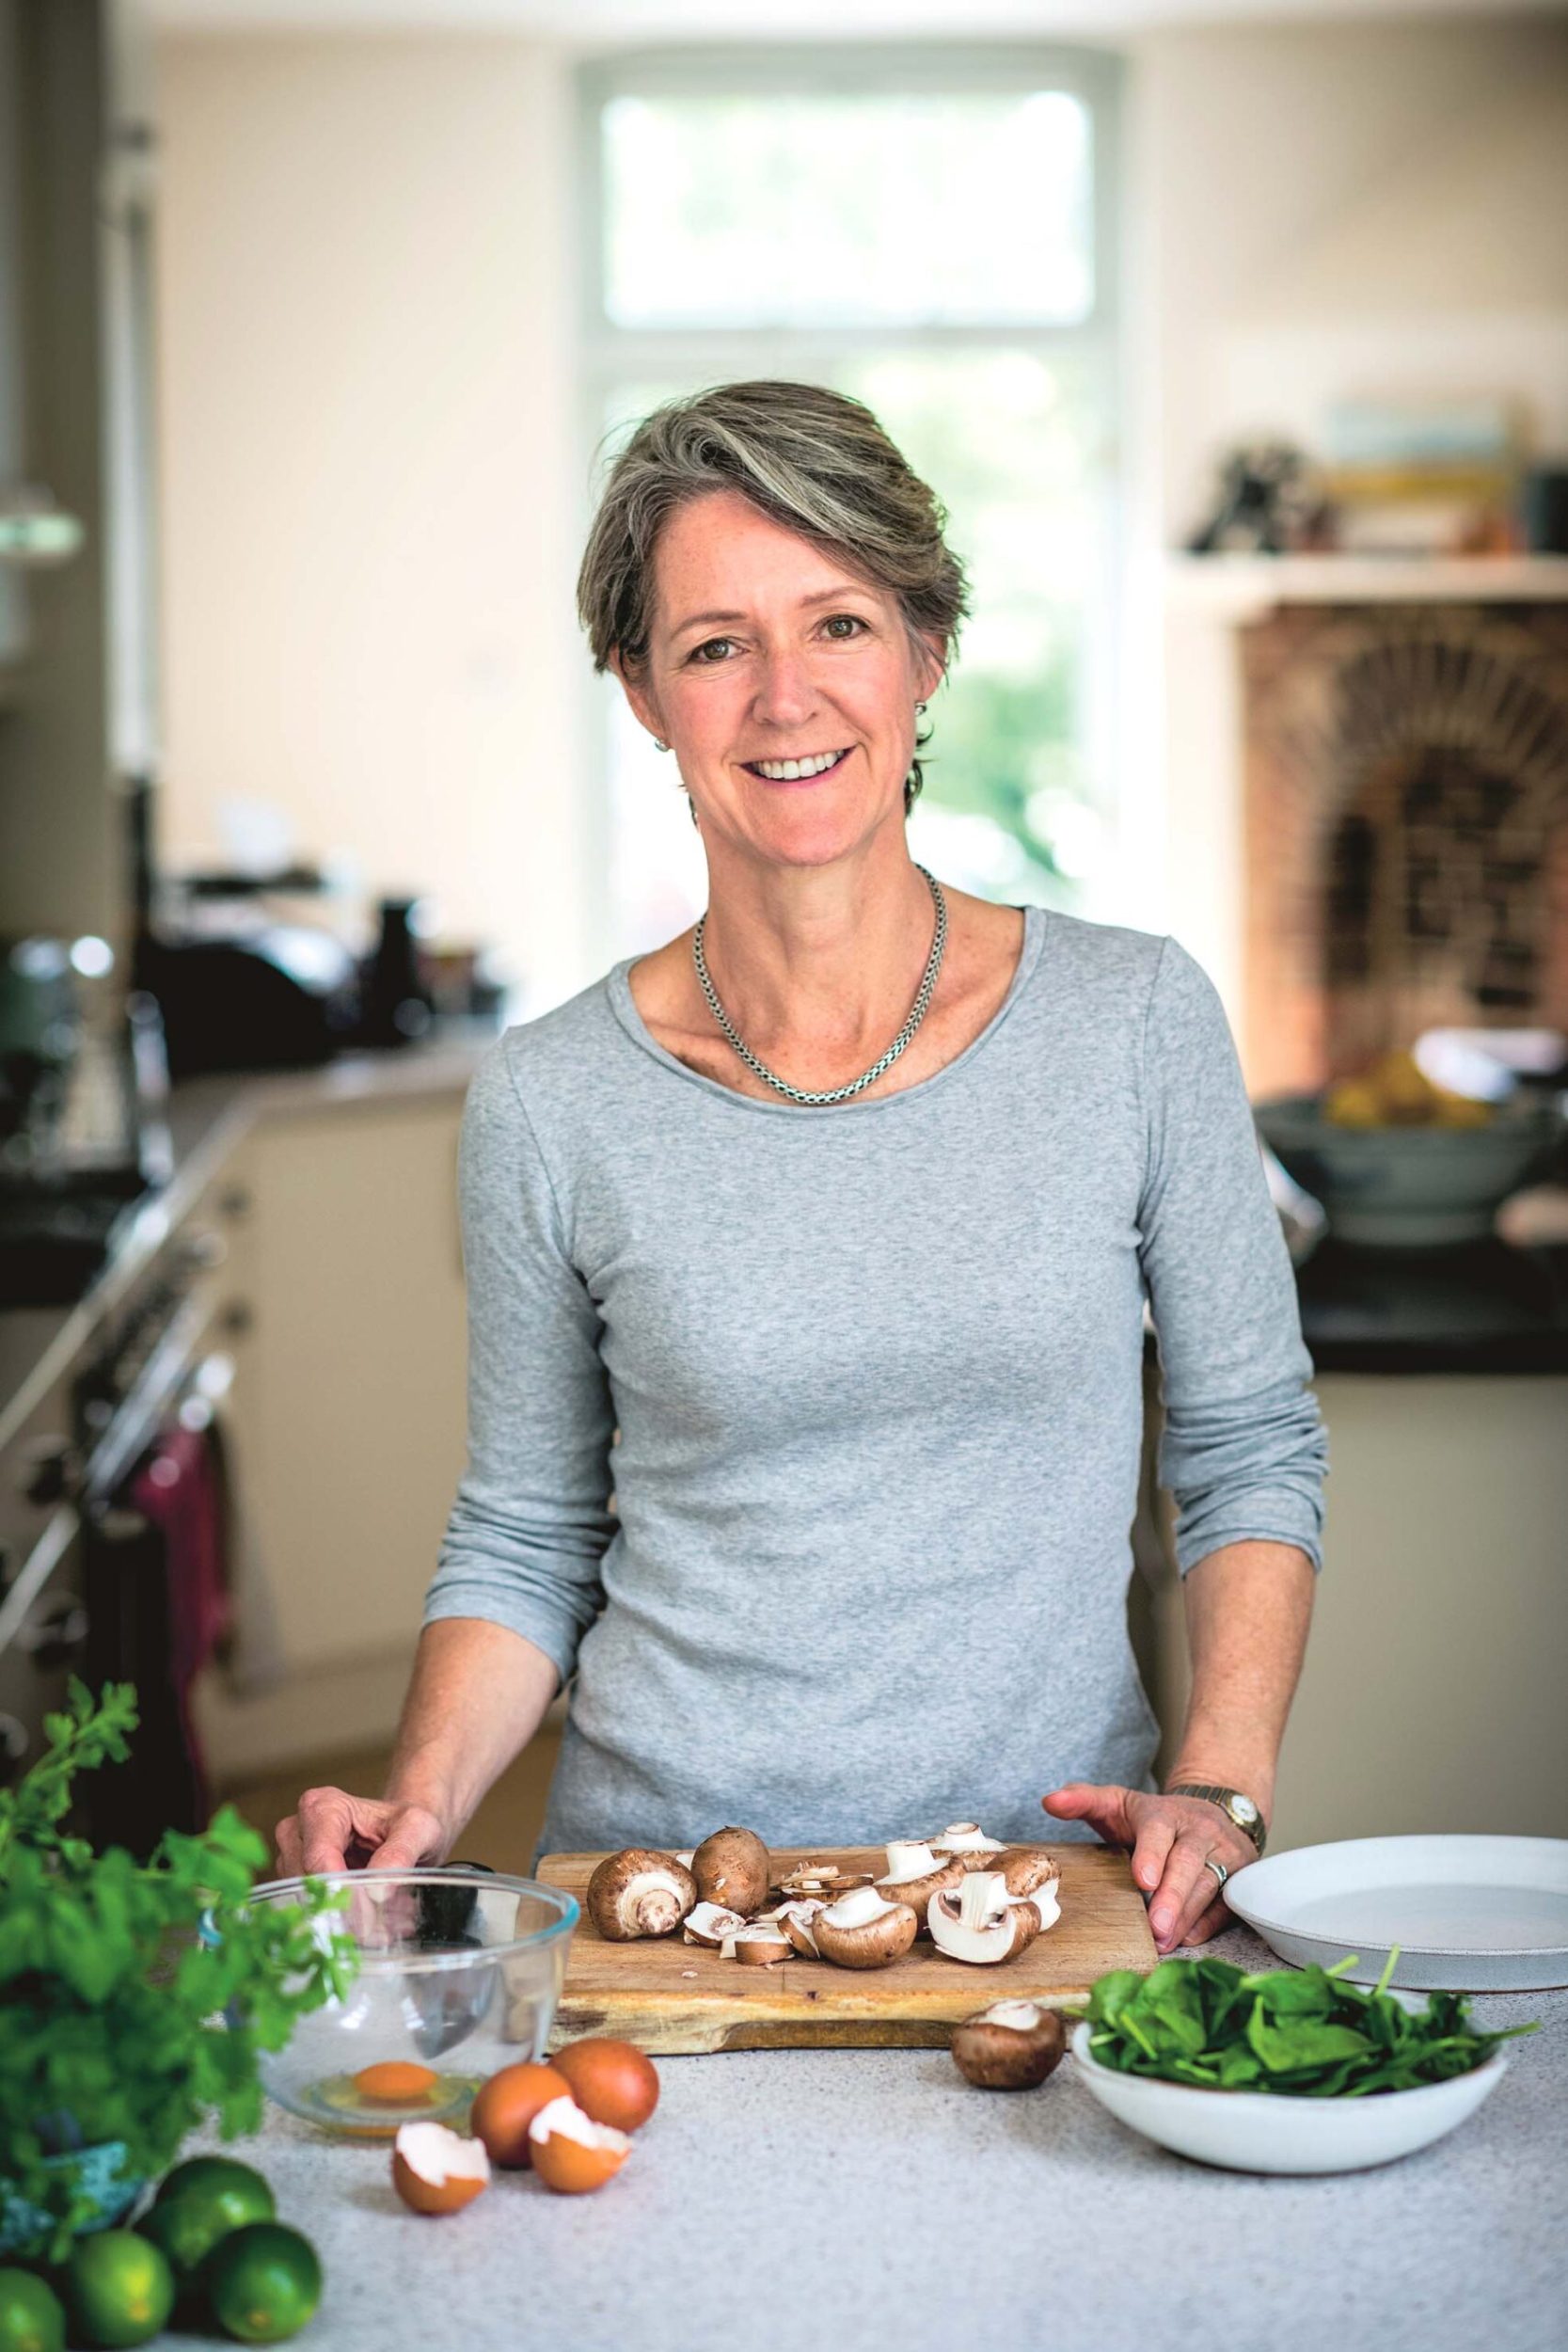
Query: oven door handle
[[165, 1375], [59, 1534]]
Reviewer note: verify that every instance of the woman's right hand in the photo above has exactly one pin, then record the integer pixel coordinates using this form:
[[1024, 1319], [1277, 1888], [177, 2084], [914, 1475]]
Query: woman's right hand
[[333, 1831]]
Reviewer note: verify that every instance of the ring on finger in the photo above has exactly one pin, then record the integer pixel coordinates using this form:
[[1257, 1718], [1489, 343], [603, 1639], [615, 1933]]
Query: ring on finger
[[1211, 1863]]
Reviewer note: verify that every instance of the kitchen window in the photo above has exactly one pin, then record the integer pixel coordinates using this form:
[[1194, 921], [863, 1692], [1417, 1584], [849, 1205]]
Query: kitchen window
[[931, 229]]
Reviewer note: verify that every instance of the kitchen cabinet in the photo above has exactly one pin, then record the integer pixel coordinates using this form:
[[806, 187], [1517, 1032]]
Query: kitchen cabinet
[[77, 677], [349, 1410], [1431, 1698]]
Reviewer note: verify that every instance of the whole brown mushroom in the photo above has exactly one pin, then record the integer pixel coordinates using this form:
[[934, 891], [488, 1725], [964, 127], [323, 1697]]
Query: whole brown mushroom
[[732, 1868], [640, 1892], [1013, 2045]]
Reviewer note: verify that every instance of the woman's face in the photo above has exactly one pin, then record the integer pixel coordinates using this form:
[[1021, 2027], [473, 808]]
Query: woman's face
[[764, 650]]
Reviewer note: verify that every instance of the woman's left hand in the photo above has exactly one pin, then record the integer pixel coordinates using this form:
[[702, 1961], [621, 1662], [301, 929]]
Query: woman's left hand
[[1171, 1841]]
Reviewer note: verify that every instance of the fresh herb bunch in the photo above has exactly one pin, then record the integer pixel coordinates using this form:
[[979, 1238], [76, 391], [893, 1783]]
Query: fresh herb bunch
[[117, 1975], [1301, 2031]]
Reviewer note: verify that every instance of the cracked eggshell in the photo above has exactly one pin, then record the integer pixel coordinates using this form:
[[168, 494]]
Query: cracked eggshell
[[434, 2170], [1013, 2045], [638, 1892], [732, 1868], [573, 2154]]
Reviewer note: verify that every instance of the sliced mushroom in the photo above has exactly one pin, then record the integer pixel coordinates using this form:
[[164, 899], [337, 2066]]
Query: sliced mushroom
[[982, 1922], [796, 1917], [1012, 2045], [732, 1868], [860, 1930], [969, 1841], [757, 1947], [710, 1923], [914, 1874], [640, 1892]]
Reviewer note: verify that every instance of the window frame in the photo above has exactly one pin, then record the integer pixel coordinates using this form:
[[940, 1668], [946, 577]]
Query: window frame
[[610, 355]]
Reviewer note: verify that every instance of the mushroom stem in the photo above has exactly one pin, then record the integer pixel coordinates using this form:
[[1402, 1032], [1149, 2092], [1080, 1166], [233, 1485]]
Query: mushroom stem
[[983, 1895]]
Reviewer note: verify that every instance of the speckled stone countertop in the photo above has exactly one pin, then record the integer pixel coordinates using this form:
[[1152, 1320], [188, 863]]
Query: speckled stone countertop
[[870, 2198]]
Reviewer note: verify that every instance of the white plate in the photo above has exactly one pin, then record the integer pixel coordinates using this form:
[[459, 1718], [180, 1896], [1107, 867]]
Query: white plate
[[1261, 2131], [1470, 1914]]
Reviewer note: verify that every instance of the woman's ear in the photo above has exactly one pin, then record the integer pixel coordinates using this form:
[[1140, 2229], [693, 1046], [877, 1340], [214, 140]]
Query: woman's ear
[[930, 668], [635, 690]]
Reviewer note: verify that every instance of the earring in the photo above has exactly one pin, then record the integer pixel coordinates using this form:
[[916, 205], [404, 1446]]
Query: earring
[[920, 711], [659, 746]]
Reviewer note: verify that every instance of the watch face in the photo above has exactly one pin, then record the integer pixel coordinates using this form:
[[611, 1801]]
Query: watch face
[[1244, 1809]]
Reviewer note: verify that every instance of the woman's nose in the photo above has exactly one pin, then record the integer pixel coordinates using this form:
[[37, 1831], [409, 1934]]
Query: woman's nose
[[784, 693]]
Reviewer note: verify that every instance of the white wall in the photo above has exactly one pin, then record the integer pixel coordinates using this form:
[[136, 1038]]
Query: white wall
[[370, 492], [369, 515], [1321, 210]]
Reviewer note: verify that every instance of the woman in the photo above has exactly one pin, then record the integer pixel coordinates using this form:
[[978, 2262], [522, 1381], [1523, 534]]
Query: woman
[[837, 1216]]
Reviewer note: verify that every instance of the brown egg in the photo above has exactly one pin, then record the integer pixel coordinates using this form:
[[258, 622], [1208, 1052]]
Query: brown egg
[[571, 2153], [612, 2082], [505, 2106], [397, 2081], [434, 2172]]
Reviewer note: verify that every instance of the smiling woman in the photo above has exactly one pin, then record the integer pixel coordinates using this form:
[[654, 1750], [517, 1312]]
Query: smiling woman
[[835, 1218]]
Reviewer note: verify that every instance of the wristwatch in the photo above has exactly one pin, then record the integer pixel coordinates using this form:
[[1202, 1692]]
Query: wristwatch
[[1241, 1810]]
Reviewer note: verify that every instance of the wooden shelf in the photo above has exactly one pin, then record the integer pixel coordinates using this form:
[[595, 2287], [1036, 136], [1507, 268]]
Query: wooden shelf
[[1238, 587]]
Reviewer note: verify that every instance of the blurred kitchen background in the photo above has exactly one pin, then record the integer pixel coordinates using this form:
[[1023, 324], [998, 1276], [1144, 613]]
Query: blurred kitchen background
[[1235, 339]]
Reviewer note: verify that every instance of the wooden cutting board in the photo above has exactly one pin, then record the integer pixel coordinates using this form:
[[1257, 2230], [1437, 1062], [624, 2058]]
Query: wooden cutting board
[[668, 1995]]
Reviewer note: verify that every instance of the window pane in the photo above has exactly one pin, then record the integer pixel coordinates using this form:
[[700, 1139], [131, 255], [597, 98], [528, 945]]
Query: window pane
[[1014, 801], [745, 211]]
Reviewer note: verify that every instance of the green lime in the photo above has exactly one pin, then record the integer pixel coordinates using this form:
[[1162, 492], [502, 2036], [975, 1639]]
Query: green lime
[[32, 2317], [205, 2205], [263, 2282], [119, 2286], [225, 2172]]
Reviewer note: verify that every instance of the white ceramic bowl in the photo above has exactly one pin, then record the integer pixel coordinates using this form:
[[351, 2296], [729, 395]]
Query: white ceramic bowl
[[1261, 2131]]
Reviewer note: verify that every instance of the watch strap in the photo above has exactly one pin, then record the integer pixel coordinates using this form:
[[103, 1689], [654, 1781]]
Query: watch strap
[[1243, 1811]]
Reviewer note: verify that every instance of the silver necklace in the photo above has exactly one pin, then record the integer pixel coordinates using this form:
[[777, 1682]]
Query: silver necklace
[[834, 1094]]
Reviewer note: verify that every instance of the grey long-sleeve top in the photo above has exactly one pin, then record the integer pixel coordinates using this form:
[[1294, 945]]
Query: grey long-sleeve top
[[857, 1566]]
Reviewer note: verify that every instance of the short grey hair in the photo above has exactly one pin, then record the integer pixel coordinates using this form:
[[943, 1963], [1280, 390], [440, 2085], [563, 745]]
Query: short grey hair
[[812, 459]]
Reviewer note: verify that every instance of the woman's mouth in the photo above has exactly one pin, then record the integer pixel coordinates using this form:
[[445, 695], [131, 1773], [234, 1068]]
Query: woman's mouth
[[810, 769]]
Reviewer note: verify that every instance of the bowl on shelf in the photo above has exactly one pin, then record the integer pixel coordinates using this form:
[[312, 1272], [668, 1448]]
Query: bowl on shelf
[[459, 1973], [1410, 1187], [1263, 2131]]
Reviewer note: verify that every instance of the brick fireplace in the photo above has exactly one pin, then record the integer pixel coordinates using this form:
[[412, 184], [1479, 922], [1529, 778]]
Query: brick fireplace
[[1407, 829]]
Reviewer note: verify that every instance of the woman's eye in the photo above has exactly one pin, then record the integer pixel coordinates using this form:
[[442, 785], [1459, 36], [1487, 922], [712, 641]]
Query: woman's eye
[[703, 652], [850, 620]]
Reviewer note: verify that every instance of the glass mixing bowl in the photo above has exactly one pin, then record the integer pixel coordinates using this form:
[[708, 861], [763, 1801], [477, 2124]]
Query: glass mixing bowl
[[459, 1973]]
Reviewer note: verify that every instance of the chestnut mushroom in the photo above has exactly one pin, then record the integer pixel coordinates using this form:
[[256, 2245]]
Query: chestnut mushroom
[[640, 1892], [982, 1922], [759, 1945], [710, 1923], [1030, 1870], [796, 1917], [732, 1868], [914, 1874], [860, 1930], [1013, 2045], [969, 1842]]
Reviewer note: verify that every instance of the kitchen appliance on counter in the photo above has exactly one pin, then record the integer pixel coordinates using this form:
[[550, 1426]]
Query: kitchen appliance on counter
[[84, 1134]]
